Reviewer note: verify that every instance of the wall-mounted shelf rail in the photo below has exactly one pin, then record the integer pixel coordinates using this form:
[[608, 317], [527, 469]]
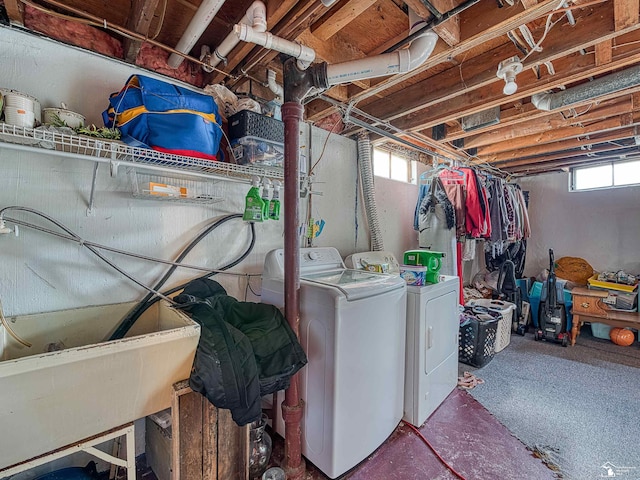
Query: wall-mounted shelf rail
[[116, 154]]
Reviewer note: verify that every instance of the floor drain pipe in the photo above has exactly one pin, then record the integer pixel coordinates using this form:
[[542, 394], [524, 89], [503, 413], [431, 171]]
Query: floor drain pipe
[[365, 171], [298, 84]]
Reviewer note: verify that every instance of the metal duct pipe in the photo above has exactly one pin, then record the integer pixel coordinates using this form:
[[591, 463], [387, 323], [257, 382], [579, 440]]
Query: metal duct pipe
[[368, 190], [200, 21], [401, 61], [588, 91], [256, 17]]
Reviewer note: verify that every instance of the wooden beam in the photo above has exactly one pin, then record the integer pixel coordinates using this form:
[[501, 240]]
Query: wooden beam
[[573, 162], [564, 144], [529, 3], [574, 69], [548, 122], [604, 52], [625, 13], [140, 18], [559, 134], [448, 31], [419, 8], [15, 11], [475, 74], [335, 21], [564, 154], [486, 22]]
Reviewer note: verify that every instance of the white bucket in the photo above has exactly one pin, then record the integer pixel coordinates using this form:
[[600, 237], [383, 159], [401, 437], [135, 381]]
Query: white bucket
[[19, 101], [14, 98], [19, 117]]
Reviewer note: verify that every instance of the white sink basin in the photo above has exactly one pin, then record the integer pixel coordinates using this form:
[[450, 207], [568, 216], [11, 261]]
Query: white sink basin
[[50, 399]]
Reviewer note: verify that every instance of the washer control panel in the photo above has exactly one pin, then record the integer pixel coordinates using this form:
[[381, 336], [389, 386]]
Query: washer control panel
[[311, 260]]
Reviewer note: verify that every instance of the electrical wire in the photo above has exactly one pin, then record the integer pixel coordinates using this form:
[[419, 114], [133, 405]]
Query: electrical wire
[[128, 321], [123, 252], [161, 21], [325, 145], [4, 322], [423, 438], [92, 249], [548, 26], [154, 294]]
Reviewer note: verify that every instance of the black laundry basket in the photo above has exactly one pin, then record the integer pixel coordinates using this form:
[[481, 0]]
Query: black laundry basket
[[477, 339]]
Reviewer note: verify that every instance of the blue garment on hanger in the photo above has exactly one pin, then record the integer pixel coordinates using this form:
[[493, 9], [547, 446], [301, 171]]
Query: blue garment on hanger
[[422, 192]]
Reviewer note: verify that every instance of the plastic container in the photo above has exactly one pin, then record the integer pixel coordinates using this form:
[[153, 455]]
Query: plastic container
[[14, 98], [594, 282], [505, 324], [414, 275], [247, 123], [258, 151], [476, 341], [600, 330], [19, 117]]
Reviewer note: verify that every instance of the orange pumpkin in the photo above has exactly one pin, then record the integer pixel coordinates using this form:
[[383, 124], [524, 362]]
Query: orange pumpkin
[[621, 336]]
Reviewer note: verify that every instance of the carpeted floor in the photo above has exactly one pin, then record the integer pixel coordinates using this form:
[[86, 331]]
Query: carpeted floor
[[577, 406]]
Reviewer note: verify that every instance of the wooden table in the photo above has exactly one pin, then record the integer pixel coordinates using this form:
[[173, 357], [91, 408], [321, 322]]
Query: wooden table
[[588, 306]]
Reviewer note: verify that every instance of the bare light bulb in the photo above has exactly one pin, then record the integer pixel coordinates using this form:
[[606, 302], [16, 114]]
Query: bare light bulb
[[510, 85], [507, 70]]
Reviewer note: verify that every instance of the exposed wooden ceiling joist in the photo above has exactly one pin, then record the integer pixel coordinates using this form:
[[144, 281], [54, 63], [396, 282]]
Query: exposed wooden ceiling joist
[[459, 79]]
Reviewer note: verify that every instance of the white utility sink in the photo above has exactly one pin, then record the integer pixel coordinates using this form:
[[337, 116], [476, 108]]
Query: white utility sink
[[85, 386]]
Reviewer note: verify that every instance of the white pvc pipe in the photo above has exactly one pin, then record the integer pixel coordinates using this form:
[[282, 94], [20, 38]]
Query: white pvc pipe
[[273, 85], [400, 61], [256, 16], [305, 55], [200, 21]]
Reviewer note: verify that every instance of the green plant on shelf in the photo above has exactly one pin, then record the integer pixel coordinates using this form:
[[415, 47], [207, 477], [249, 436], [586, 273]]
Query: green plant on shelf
[[91, 130]]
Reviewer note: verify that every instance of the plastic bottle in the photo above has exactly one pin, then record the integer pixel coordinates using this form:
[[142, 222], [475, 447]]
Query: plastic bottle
[[266, 186], [253, 204], [274, 204]]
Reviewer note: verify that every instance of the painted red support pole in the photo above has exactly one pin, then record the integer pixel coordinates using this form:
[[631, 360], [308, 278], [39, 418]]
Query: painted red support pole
[[292, 115]]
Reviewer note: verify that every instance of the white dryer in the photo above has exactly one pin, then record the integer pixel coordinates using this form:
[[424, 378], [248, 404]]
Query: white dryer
[[352, 328], [431, 369]]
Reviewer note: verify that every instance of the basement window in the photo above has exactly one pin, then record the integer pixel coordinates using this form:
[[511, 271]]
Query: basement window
[[619, 173], [393, 166]]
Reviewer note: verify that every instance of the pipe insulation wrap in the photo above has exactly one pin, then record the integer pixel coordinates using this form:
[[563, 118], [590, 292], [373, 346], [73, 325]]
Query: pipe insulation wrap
[[368, 190], [588, 91], [200, 21]]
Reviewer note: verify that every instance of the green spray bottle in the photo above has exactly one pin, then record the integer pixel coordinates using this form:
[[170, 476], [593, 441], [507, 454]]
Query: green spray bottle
[[274, 204], [253, 204], [266, 186]]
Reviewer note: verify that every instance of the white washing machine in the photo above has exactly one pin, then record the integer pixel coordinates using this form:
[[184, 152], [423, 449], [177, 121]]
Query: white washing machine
[[431, 368], [352, 328]]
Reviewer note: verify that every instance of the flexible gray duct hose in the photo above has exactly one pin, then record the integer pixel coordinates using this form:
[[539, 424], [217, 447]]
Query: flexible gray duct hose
[[368, 191]]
